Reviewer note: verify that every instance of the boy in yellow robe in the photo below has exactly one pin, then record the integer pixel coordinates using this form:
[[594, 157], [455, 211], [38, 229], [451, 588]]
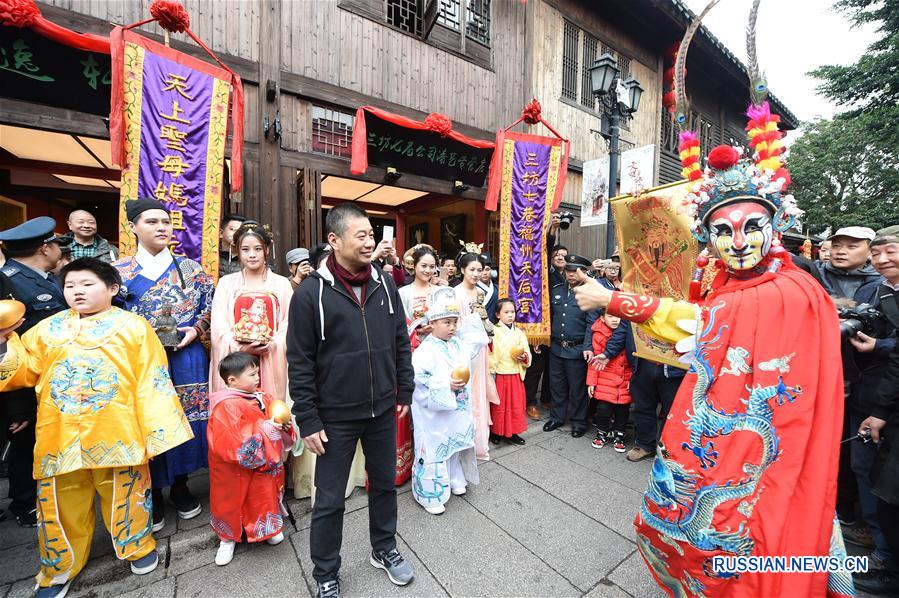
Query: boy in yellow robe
[[106, 405]]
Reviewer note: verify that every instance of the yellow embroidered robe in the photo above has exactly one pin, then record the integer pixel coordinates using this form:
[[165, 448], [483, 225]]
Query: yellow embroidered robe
[[104, 394]]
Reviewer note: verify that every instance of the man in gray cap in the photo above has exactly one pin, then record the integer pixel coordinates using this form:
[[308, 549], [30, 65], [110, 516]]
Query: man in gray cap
[[32, 251], [298, 263]]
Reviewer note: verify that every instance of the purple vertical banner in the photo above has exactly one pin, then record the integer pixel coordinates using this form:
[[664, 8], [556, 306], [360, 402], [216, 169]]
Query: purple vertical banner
[[530, 167], [174, 135]]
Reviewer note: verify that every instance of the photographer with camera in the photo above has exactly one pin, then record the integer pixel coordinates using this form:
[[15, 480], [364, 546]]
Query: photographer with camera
[[850, 279], [882, 426]]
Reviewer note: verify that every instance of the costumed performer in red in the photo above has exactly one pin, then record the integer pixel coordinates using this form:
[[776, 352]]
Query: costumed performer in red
[[747, 463], [247, 448]]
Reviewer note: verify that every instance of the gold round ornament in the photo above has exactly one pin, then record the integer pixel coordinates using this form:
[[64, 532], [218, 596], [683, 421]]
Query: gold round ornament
[[11, 311], [461, 374], [279, 412], [517, 352]]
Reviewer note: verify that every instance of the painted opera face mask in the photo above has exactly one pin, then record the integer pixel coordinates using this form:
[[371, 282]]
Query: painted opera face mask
[[741, 234]]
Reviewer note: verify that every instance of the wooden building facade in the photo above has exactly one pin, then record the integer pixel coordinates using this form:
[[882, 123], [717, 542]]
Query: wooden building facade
[[307, 65]]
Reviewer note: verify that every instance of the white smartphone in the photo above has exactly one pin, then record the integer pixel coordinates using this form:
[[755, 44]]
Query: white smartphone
[[388, 233]]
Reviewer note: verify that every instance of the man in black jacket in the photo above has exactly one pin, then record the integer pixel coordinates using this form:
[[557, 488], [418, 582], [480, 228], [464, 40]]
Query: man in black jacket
[[350, 372], [883, 426]]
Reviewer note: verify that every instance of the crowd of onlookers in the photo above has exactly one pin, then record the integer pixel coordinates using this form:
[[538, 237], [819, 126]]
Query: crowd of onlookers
[[587, 375]]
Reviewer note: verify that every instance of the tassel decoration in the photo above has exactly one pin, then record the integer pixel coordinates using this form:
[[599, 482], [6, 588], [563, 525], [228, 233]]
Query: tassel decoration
[[689, 156]]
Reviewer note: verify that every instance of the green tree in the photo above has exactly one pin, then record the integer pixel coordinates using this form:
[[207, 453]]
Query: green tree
[[846, 170], [842, 178]]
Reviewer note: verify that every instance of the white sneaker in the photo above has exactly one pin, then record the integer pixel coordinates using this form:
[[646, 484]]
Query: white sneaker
[[438, 510], [159, 525], [276, 539], [459, 491], [225, 553]]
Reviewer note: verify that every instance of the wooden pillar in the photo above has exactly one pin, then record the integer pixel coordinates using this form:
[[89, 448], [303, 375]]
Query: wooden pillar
[[269, 207], [480, 222], [400, 233], [309, 193]]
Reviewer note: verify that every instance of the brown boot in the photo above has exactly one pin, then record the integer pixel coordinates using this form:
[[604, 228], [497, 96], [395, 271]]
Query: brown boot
[[533, 413], [638, 454]]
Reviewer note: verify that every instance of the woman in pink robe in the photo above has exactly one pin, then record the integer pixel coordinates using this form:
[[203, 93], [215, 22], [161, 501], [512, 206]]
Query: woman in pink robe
[[238, 299]]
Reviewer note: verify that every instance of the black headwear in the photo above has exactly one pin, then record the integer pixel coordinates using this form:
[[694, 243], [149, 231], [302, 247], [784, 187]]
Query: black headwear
[[136, 207]]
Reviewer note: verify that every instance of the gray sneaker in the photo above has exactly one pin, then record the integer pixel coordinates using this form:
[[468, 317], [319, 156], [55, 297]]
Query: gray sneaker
[[328, 589], [398, 569]]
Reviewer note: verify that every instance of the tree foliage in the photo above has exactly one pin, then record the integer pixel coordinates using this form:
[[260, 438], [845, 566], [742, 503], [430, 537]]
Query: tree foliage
[[846, 170]]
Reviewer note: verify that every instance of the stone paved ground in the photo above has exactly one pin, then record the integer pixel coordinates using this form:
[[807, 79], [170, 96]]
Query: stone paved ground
[[552, 518]]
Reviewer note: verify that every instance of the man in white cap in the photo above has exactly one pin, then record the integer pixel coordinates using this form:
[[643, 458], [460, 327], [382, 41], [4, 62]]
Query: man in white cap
[[849, 267]]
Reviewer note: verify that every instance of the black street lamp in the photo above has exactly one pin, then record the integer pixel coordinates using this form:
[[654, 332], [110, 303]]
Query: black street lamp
[[622, 99]]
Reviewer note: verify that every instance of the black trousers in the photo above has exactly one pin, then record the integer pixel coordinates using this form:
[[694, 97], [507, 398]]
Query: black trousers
[[888, 515], [378, 436], [537, 377], [569, 391], [611, 414], [652, 392], [22, 487], [847, 486]]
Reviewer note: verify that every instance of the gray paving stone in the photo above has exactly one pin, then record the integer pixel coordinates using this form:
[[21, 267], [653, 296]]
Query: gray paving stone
[[194, 549], [633, 576], [604, 461], [108, 577], [161, 589], [19, 562], [523, 512], [13, 535], [607, 589], [357, 576], [261, 570], [603, 499], [22, 589], [471, 556]]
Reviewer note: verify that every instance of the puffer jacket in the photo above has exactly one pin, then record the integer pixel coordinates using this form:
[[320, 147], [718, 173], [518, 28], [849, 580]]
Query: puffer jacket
[[612, 383]]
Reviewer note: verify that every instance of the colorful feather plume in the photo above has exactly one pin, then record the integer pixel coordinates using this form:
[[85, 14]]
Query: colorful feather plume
[[764, 137], [689, 155]]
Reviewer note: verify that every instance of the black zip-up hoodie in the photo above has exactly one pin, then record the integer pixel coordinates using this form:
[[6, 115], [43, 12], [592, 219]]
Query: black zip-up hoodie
[[346, 361]]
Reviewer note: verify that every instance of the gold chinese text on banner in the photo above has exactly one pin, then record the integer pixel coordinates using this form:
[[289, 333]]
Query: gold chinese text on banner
[[658, 253]]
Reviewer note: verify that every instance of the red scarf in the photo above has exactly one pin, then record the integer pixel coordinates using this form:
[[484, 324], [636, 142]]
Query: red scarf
[[348, 279]]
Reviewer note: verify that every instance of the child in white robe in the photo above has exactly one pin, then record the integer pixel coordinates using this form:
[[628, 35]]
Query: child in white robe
[[441, 408]]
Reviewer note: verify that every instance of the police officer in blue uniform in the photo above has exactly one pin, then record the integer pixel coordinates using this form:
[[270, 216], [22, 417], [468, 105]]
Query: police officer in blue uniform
[[570, 351], [32, 250]]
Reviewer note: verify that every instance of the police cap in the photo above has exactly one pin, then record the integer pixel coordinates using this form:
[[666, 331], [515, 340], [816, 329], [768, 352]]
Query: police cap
[[31, 234]]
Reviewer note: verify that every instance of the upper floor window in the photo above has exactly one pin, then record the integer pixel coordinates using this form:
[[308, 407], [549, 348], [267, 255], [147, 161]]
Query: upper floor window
[[476, 16], [579, 50], [332, 132], [405, 15]]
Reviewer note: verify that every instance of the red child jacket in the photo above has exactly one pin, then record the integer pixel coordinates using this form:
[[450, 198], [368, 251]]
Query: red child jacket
[[612, 382]]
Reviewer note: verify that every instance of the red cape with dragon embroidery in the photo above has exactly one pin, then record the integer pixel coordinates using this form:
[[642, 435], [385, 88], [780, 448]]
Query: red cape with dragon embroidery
[[748, 459]]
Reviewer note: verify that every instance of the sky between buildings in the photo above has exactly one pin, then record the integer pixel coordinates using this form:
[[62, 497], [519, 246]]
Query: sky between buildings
[[794, 37]]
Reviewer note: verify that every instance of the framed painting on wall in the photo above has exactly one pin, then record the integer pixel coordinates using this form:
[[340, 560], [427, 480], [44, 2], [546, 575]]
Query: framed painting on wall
[[452, 231], [418, 233]]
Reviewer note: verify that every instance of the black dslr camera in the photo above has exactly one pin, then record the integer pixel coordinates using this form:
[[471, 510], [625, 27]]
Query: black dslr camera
[[565, 220], [863, 318]]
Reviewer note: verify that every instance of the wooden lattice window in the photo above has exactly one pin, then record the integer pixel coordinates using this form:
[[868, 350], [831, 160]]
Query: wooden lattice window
[[405, 15], [448, 14], [588, 100], [477, 16], [332, 132], [669, 138], [569, 61]]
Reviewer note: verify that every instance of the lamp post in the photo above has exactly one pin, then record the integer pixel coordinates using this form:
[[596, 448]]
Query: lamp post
[[622, 99]]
